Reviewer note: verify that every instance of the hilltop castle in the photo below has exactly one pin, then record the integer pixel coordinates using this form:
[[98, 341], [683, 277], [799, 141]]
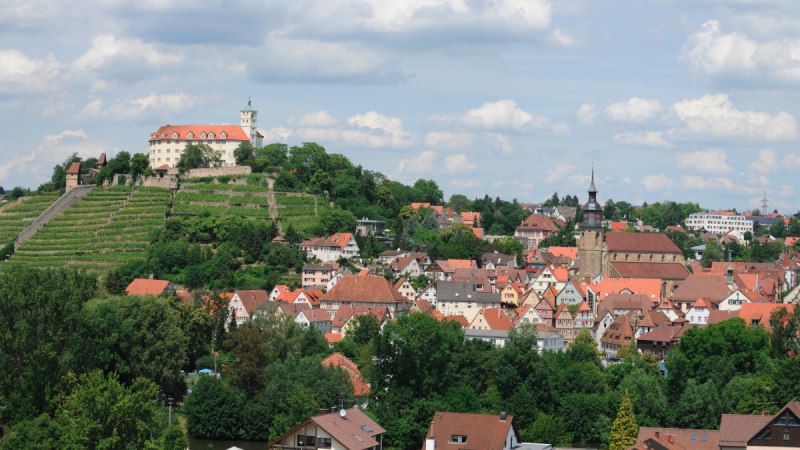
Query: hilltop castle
[[167, 144]]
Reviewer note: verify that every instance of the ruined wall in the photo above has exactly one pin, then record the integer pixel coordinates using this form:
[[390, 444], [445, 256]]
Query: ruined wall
[[219, 171]]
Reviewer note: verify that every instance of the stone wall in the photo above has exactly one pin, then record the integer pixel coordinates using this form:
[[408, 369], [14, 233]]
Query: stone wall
[[219, 171], [56, 209], [166, 182]]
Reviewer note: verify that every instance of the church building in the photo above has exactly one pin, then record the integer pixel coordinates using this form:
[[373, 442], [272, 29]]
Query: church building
[[622, 254], [167, 144]]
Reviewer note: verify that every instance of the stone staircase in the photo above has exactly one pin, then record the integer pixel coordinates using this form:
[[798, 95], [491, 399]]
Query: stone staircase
[[56, 209]]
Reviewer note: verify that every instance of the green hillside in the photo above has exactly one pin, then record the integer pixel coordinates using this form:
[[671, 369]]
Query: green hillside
[[108, 227], [14, 217]]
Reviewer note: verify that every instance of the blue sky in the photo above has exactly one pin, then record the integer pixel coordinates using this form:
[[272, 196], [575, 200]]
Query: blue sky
[[672, 99]]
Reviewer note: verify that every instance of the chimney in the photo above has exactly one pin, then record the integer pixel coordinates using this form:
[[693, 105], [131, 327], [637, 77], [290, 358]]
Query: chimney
[[430, 440], [658, 434], [503, 416]]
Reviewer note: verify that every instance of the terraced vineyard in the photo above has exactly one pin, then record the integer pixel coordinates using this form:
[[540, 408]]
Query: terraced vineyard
[[222, 199], [106, 228], [14, 217], [300, 211], [250, 201]]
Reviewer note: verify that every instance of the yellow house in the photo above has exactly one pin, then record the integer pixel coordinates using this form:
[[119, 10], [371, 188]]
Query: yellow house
[[512, 294]]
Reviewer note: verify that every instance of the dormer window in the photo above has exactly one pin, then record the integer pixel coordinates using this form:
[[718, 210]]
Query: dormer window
[[211, 135], [174, 135], [458, 439], [223, 135], [190, 135], [202, 135]]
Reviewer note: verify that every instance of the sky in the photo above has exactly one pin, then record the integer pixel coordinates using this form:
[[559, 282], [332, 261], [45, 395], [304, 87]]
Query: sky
[[684, 100]]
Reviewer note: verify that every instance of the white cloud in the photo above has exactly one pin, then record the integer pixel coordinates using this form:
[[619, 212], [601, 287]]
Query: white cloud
[[166, 104], [633, 110], [19, 73], [445, 140], [465, 184], [641, 138], [390, 131], [562, 38], [458, 163], [656, 183], [707, 183], [586, 114], [716, 116], [559, 171], [503, 114], [791, 161], [316, 119], [107, 49], [419, 164], [709, 52], [54, 149], [706, 161], [766, 163]]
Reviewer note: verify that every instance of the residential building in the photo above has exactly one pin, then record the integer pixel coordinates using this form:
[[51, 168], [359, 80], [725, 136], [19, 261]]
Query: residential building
[[491, 319], [744, 431], [549, 341], [347, 429], [494, 260], [429, 294], [584, 317], [332, 248], [365, 227], [556, 277], [699, 312], [616, 336], [387, 256], [565, 323], [404, 287], [471, 431], [661, 340], [650, 438], [760, 314], [462, 298], [244, 303], [718, 223], [407, 266], [572, 293], [534, 230], [316, 318], [527, 314], [345, 315], [713, 288], [317, 276], [168, 142], [277, 291], [365, 290]]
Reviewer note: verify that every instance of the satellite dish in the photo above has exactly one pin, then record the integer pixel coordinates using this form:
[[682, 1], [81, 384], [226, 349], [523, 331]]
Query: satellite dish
[[342, 413]]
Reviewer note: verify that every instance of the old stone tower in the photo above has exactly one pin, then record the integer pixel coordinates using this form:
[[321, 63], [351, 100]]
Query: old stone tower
[[590, 243]]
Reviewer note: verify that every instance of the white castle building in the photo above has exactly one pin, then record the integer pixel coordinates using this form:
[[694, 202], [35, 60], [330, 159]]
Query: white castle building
[[719, 223], [167, 144]]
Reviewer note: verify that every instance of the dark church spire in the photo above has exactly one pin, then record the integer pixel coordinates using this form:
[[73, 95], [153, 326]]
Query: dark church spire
[[592, 211]]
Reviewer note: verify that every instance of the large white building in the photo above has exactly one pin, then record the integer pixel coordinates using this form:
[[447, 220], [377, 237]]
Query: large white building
[[167, 144], [719, 223]]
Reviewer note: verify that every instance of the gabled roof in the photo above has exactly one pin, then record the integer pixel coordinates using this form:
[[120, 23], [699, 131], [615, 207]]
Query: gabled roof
[[563, 308], [74, 168], [641, 243], [458, 318], [629, 302], [363, 288], [537, 222], [482, 431], [252, 299], [567, 252], [618, 226], [350, 430], [143, 286], [760, 313], [464, 291], [654, 319], [315, 315], [450, 265], [346, 312], [712, 287], [664, 271], [684, 437], [647, 286], [495, 319], [736, 429], [664, 334], [620, 332], [335, 240]]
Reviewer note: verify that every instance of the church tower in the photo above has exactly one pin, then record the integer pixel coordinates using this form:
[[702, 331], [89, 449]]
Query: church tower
[[249, 123], [592, 236]]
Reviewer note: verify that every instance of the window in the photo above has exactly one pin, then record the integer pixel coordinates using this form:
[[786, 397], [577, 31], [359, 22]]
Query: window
[[309, 441], [458, 439], [174, 135], [366, 428], [223, 135], [786, 435], [324, 442]]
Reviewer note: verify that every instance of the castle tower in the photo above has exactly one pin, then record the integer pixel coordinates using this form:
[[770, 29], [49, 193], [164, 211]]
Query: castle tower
[[249, 123], [592, 235]]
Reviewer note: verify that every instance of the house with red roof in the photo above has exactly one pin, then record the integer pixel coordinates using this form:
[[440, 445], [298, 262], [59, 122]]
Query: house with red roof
[[470, 218], [331, 248], [144, 286], [699, 313], [755, 314], [365, 290], [527, 314], [449, 430], [316, 318], [556, 277], [277, 291], [346, 429], [565, 323], [584, 317], [73, 176], [491, 319], [404, 287], [618, 226], [244, 303], [617, 335], [345, 315], [572, 293], [534, 230], [661, 340], [169, 141]]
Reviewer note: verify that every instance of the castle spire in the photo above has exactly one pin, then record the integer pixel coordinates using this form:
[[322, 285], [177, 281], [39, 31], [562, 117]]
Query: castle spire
[[591, 186]]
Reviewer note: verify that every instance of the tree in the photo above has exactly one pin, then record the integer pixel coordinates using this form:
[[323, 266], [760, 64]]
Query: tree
[[547, 429], [139, 165], [624, 429], [245, 154], [197, 156], [713, 252], [363, 329], [427, 191], [337, 220]]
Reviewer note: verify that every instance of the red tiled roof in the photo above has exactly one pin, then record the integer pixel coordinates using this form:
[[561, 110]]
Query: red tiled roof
[[478, 232], [664, 271], [315, 315], [482, 431], [684, 437], [647, 286], [761, 312], [641, 242], [618, 226], [537, 222], [345, 312], [458, 318], [252, 299], [717, 316], [74, 168], [360, 386], [496, 319], [143, 286], [417, 205], [664, 334], [363, 288], [232, 133], [736, 429], [713, 288], [333, 338], [620, 332], [567, 252]]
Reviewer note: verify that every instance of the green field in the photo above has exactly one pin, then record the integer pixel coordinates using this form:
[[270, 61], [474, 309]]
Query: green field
[[15, 216], [106, 228]]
